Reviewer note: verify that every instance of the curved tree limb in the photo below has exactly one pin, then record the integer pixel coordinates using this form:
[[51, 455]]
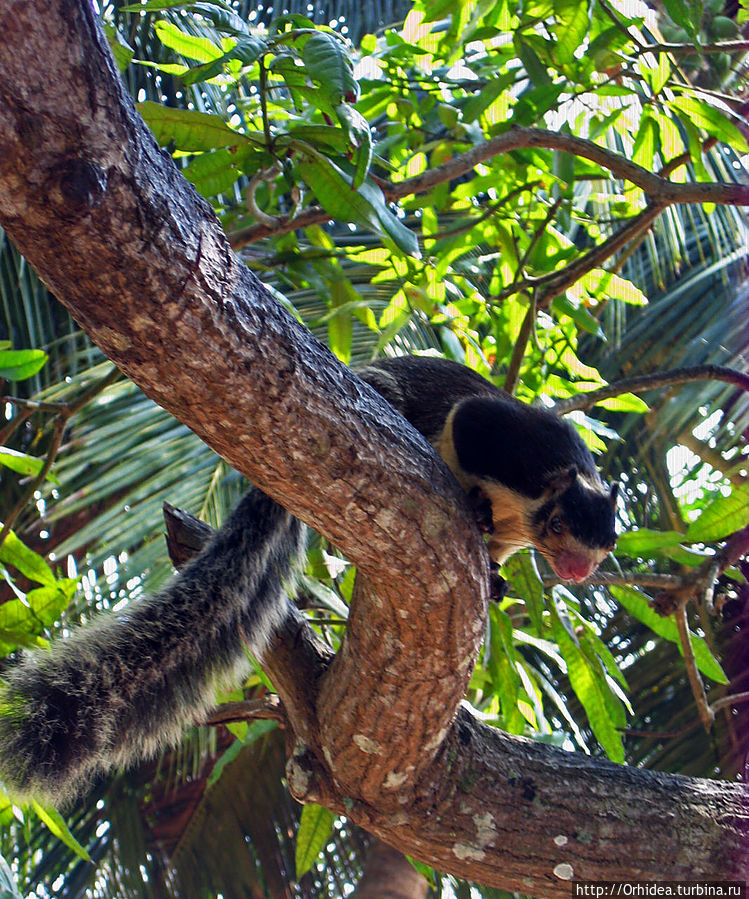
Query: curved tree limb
[[661, 192]]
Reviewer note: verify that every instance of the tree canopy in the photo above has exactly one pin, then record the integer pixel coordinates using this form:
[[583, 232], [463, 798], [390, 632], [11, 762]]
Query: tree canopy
[[547, 192]]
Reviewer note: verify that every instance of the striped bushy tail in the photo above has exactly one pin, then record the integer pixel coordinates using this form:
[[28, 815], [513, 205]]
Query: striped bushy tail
[[126, 686]]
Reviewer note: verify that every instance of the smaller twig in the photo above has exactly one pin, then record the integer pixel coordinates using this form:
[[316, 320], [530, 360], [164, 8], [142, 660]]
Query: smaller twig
[[706, 714], [625, 579], [733, 699], [63, 411], [269, 708], [14, 424], [518, 351], [28, 493], [641, 383], [551, 286], [687, 49], [263, 176], [32, 406]]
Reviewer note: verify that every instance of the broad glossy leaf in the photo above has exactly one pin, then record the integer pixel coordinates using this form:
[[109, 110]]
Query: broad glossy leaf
[[15, 553], [721, 517], [16, 365], [588, 683], [315, 828], [684, 15], [571, 28], [201, 49], [711, 119], [247, 50], [644, 541], [20, 462], [365, 206], [638, 604], [191, 131], [215, 172], [326, 62], [526, 584]]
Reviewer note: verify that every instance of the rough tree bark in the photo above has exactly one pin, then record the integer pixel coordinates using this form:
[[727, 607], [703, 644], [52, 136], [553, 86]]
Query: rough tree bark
[[143, 265]]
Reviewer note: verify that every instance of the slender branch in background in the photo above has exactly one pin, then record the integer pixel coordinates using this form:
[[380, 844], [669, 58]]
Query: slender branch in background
[[733, 699], [626, 579], [641, 383], [528, 327], [661, 191], [268, 707], [695, 681], [63, 413], [28, 494], [518, 351], [14, 424], [551, 286], [691, 49]]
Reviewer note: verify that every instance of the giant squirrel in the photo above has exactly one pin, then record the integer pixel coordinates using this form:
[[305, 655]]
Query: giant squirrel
[[126, 686]]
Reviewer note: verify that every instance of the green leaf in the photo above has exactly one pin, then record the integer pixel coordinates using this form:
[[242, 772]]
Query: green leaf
[[643, 541], [217, 171], [8, 887], [56, 823], [571, 28], [200, 49], [721, 517], [122, 51], [579, 315], [658, 75], [155, 5], [48, 603], [21, 621], [480, 101], [681, 12], [526, 584], [625, 402], [600, 282], [15, 553], [20, 462], [328, 64], [191, 131], [503, 669], [247, 51], [256, 730], [588, 683], [315, 828], [359, 138], [16, 365], [365, 206], [639, 605], [712, 119]]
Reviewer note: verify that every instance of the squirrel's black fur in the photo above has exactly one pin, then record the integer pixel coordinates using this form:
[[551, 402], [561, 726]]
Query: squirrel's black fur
[[127, 685]]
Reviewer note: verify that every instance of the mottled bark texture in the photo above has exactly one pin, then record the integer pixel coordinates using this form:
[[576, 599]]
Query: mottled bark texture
[[142, 263]]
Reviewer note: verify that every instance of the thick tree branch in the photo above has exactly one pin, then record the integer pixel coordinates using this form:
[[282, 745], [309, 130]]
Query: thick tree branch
[[509, 812]]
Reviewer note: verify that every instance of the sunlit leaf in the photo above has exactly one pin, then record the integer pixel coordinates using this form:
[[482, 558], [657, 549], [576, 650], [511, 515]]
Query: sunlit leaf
[[16, 365], [315, 828], [722, 517], [639, 605]]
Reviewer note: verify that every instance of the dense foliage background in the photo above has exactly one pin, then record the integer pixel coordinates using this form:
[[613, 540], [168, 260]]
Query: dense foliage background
[[320, 141]]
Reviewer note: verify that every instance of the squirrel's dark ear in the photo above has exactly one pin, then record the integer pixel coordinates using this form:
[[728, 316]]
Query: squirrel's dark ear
[[614, 493], [563, 481]]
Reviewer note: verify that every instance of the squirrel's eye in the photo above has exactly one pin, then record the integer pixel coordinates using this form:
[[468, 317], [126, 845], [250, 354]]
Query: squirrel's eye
[[555, 525]]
